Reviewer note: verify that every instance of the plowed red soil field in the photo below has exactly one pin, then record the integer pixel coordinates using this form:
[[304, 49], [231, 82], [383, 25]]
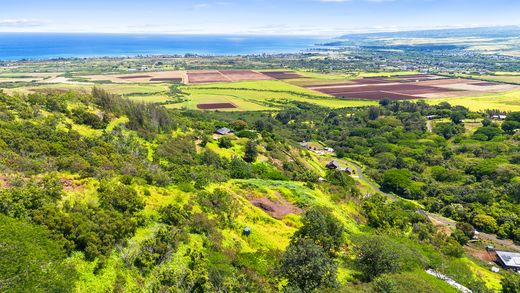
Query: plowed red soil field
[[216, 106], [282, 74]]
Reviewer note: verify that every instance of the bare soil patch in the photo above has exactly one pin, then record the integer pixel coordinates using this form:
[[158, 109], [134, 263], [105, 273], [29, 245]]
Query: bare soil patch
[[276, 209], [197, 77], [171, 79], [409, 87], [134, 76], [481, 254], [485, 83], [215, 106], [241, 75], [70, 185], [283, 74]]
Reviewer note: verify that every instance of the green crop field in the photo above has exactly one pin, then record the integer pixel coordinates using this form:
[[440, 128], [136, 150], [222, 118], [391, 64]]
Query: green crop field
[[255, 96]]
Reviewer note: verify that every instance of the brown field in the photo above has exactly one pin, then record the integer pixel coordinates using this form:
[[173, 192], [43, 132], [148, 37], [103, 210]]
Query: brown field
[[408, 87], [241, 75], [215, 106], [206, 77], [139, 78], [134, 76], [174, 79], [485, 83], [212, 76], [283, 74]]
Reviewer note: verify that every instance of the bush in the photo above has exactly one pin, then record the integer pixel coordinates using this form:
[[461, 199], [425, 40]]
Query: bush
[[225, 143]]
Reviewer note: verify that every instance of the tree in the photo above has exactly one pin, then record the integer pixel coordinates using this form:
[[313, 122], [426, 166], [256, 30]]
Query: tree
[[485, 223], [457, 117], [251, 151], [487, 133], [377, 255], [320, 226], [238, 125], [510, 126], [30, 261], [307, 267], [225, 143], [120, 197]]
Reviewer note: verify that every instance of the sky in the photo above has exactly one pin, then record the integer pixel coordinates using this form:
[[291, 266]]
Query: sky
[[252, 17]]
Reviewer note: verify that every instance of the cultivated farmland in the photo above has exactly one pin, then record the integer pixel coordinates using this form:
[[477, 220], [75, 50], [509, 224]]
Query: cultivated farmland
[[408, 87]]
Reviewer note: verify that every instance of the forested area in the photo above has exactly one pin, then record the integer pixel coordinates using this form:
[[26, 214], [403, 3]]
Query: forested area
[[99, 193]]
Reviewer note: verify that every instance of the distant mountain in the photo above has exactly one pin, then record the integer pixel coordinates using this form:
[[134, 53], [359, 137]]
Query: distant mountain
[[482, 32]]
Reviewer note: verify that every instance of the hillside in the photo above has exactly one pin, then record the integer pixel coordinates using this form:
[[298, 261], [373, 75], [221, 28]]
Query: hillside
[[99, 193]]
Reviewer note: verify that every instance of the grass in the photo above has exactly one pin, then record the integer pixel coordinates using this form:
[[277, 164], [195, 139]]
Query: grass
[[501, 78], [260, 95], [507, 101]]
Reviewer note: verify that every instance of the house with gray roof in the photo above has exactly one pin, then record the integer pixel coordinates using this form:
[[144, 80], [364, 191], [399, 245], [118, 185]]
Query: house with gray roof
[[509, 260]]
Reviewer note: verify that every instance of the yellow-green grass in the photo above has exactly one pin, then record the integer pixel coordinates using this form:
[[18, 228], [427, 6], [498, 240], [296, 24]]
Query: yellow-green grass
[[120, 89], [500, 78], [262, 85], [507, 101], [491, 279], [220, 96], [154, 98], [507, 73]]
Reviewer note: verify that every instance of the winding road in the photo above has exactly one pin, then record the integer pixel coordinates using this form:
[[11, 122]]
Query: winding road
[[447, 222]]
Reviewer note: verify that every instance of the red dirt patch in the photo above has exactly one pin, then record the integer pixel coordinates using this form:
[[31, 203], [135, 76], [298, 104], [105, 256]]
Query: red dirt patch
[[206, 77], [481, 254], [5, 182], [277, 210], [240, 75], [71, 186], [283, 74], [173, 79], [214, 106], [134, 76], [485, 84], [378, 88]]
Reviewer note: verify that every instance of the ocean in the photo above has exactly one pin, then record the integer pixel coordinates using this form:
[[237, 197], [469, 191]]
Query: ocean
[[16, 46]]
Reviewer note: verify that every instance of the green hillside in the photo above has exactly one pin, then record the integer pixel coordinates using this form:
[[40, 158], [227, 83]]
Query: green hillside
[[99, 193]]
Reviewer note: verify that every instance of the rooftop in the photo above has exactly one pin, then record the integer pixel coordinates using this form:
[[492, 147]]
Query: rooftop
[[510, 259]]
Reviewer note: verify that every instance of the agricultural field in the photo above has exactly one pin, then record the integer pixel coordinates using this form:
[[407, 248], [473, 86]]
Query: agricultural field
[[252, 90], [507, 101]]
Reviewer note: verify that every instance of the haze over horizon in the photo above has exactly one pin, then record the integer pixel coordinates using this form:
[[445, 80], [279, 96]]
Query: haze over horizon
[[262, 17]]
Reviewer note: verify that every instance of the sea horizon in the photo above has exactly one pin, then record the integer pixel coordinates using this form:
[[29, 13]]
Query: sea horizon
[[16, 46]]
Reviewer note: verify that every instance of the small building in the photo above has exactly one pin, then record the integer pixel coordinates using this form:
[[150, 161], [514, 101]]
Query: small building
[[509, 260], [499, 117], [223, 131], [333, 165], [347, 170], [431, 117], [304, 144]]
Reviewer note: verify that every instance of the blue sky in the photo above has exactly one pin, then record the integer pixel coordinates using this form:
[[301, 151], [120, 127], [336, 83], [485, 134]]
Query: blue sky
[[272, 17]]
